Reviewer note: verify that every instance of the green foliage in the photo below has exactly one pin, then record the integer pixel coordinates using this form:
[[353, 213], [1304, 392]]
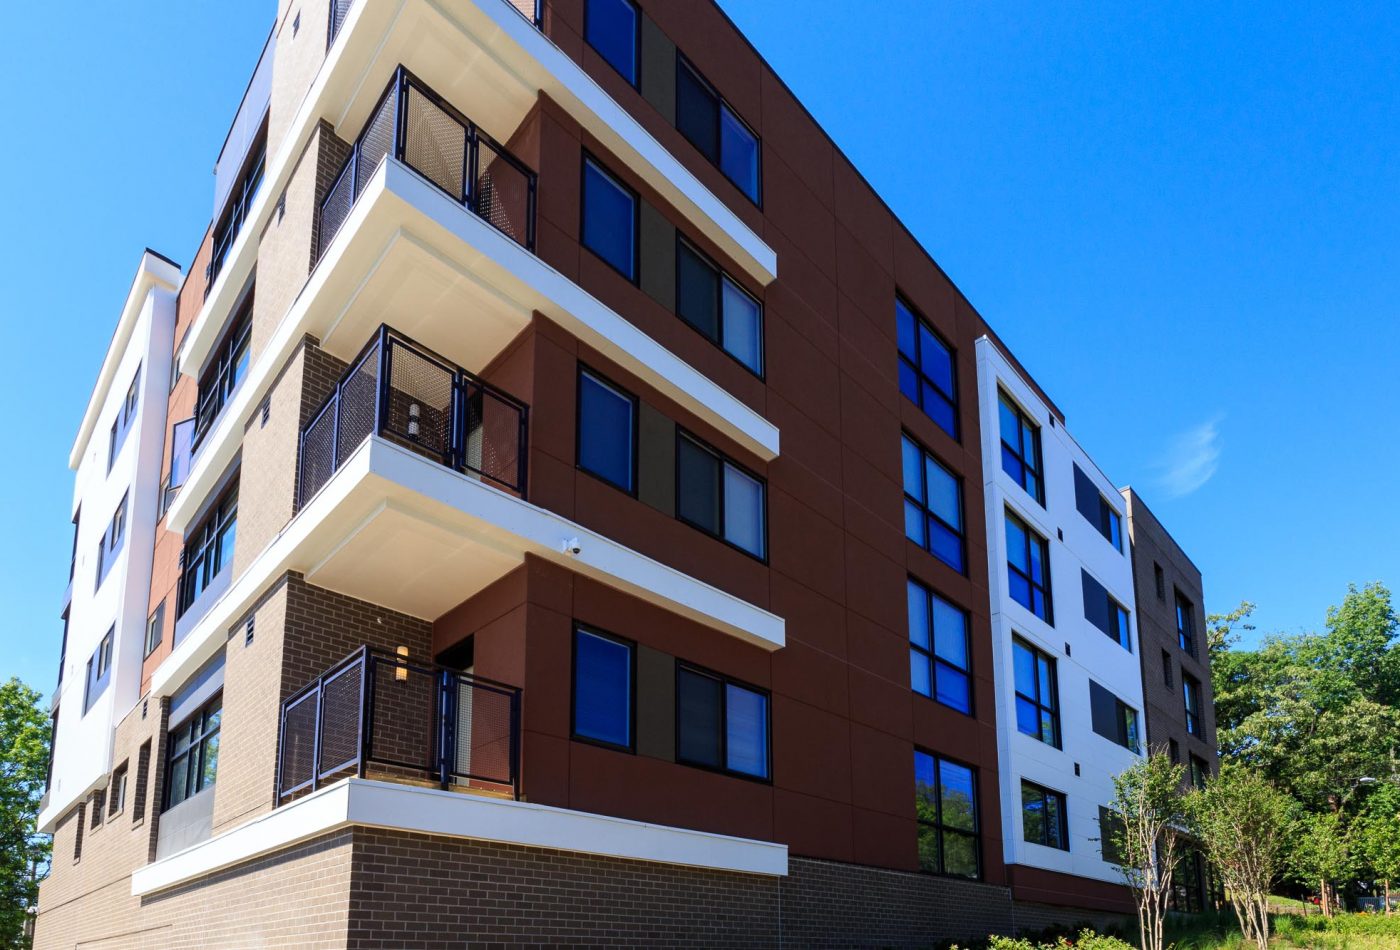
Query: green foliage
[[1322, 849], [1376, 835], [24, 757], [1086, 939], [1312, 712]]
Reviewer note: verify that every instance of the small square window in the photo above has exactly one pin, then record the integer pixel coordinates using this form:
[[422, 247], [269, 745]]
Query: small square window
[[1044, 817]]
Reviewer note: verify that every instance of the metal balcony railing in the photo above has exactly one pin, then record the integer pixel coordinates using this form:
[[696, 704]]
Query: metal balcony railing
[[381, 715], [409, 395], [532, 10], [417, 127]]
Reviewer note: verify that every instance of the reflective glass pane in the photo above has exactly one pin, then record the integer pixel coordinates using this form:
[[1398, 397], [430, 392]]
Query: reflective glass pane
[[209, 762], [944, 493], [945, 545], [929, 858], [746, 731], [959, 854], [1027, 717], [1047, 684], [914, 523], [602, 689], [743, 326], [908, 381], [940, 410], [610, 26], [1032, 814], [913, 470], [1020, 589], [1023, 662], [698, 480], [1016, 544], [949, 632], [935, 360], [920, 675], [605, 431], [738, 153], [743, 510], [179, 779], [925, 783], [697, 113], [959, 801], [904, 326], [918, 615], [609, 220], [953, 688], [697, 292], [698, 714]]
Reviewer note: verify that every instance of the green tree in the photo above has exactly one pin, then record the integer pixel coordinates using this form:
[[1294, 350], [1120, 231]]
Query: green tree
[[1244, 825], [1377, 836], [1150, 812], [24, 854], [1322, 854]]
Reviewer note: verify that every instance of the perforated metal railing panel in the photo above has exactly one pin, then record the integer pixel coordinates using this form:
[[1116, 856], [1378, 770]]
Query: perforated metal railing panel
[[339, 10], [482, 749], [318, 460], [340, 720], [503, 194], [404, 727], [357, 394], [435, 143], [336, 207], [420, 401], [492, 436], [529, 9], [377, 139], [297, 762]]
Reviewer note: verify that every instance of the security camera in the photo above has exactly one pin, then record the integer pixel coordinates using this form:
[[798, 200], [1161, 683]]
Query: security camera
[[571, 547]]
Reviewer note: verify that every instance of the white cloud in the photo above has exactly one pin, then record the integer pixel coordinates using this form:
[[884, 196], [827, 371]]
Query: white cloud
[[1192, 458]]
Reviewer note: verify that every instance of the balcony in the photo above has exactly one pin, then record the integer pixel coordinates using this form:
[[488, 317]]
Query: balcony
[[423, 131], [380, 715], [414, 398]]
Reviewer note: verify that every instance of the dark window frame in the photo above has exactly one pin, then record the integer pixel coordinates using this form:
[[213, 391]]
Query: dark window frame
[[1192, 699], [959, 533], [939, 828], [1116, 615], [721, 107], [1185, 631], [196, 751], [1107, 521], [99, 669], [126, 415], [725, 681], [116, 799], [221, 378], [1032, 537], [574, 735], [636, 81], [723, 459], [205, 540], [590, 159], [934, 661], [1198, 771], [608, 384], [685, 245], [233, 216], [1160, 578], [156, 621], [915, 362], [1053, 708], [1062, 824], [1025, 424], [1168, 678]]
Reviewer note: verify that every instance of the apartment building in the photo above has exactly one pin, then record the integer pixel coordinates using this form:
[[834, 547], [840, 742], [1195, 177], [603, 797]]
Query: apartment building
[[578, 514], [1175, 670]]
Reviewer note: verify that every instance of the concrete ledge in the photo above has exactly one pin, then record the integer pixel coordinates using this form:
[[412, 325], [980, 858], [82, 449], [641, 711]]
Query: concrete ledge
[[365, 803]]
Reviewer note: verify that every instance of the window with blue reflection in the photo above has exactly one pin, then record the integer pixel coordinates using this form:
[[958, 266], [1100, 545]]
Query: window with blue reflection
[[1028, 568], [926, 373], [1037, 693], [602, 689], [609, 219], [606, 431], [610, 27], [938, 649], [932, 505], [746, 731]]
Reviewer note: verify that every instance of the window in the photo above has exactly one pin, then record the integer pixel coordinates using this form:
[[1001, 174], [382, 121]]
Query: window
[[1044, 817], [78, 834], [99, 670], [73, 557], [126, 415], [604, 671], [611, 28], [945, 803], [1020, 448], [143, 779], [1101, 610], [1096, 509], [99, 804], [1113, 719], [932, 505], [1199, 771], [193, 762], [716, 130], [1160, 579], [209, 549], [1037, 693], [116, 798], [110, 544], [1028, 568], [720, 498], [181, 453], [1167, 668], [240, 200], [938, 649], [1191, 690], [609, 219], [721, 724], [1185, 624], [1174, 748], [1111, 832], [712, 303], [155, 629], [926, 371], [226, 370], [607, 431]]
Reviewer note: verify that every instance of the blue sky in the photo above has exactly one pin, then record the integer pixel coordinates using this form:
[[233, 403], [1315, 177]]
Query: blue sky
[[1182, 218]]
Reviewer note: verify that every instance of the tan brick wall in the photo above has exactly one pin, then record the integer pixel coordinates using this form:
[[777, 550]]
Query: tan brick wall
[[301, 49]]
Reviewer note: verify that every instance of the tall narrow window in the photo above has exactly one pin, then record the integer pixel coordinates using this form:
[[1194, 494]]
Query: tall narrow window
[[193, 761], [607, 431], [110, 545], [1037, 693], [1104, 612], [611, 28], [1191, 690], [1160, 579], [721, 724], [143, 780], [939, 662], [240, 201], [714, 304], [1020, 448], [126, 417], [1200, 772], [945, 804], [1028, 568], [209, 550], [116, 797], [1167, 669], [1113, 719], [1044, 817], [99, 670], [932, 505], [717, 496], [227, 368], [714, 128], [1185, 624], [155, 629], [927, 375], [609, 219], [604, 670], [1096, 509]]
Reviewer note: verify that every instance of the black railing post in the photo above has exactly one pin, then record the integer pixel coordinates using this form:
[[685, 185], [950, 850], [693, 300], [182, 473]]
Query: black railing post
[[371, 689], [446, 711], [381, 402], [400, 112], [522, 449], [515, 743], [364, 708], [472, 173], [316, 734], [530, 213]]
